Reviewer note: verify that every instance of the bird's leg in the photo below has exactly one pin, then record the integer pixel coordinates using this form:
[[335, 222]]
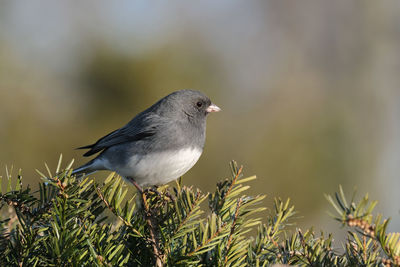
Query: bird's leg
[[142, 193], [138, 187]]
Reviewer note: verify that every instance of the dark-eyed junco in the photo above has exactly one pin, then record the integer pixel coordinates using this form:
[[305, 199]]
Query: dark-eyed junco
[[157, 146]]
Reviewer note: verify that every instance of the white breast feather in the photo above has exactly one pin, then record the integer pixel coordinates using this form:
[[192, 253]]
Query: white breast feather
[[161, 167]]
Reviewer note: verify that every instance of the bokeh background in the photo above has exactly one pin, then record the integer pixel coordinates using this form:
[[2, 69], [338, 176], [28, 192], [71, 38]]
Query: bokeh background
[[309, 89]]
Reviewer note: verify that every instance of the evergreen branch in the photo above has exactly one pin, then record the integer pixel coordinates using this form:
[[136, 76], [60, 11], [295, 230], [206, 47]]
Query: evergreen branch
[[360, 217], [154, 240], [64, 224], [239, 202], [234, 181], [208, 241], [113, 210], [188, 216]]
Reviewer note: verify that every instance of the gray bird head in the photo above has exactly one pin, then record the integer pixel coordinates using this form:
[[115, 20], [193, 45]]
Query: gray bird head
[[187, 103]]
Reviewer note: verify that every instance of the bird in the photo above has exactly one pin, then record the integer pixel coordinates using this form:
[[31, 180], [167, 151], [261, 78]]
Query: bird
[[158, 145]]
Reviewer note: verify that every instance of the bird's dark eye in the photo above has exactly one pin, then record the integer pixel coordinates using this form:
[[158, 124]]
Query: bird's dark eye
[[199, 104]]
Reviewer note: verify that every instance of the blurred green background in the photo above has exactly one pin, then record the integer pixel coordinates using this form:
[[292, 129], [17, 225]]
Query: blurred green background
[[309, 89]]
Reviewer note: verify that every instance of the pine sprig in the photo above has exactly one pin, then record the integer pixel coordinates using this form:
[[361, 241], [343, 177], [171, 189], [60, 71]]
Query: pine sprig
[[370, 231], [71, 222]]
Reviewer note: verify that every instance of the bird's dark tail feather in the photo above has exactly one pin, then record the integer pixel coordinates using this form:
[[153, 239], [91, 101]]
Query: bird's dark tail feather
[[92, 149]]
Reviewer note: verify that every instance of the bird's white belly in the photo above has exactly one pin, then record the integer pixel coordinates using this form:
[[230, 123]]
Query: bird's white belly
[[160, 167]]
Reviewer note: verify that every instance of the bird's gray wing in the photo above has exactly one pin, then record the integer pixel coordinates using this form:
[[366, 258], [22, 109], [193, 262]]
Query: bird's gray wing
[[142, 126]]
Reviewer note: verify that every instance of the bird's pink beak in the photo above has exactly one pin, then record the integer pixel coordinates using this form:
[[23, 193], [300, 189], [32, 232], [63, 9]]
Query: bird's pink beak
[[213, 108]]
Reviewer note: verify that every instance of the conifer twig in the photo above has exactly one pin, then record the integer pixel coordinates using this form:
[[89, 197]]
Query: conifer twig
[[159, 255], [115, 213], [239, 203]]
